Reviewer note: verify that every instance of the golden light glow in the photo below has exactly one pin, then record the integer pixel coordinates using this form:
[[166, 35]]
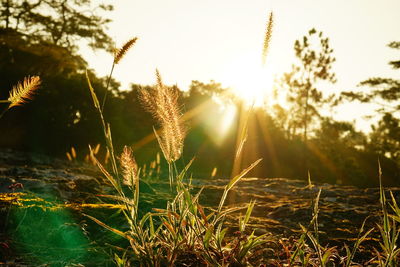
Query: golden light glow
[[218, 120], [229, 114], [250, 80]]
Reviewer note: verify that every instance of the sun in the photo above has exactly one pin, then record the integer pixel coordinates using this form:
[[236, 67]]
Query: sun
[[250, 80]]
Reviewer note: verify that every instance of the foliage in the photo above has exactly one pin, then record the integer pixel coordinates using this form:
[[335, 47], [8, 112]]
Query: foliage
[[385, 92], [185, 232], [385, 89], [388, 229], [67, 114], [56, 22], [68, 120], [385, 137], [41, 38], [314, 65]]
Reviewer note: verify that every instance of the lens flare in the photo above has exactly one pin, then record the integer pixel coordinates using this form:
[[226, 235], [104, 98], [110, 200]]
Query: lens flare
[[249, 79]]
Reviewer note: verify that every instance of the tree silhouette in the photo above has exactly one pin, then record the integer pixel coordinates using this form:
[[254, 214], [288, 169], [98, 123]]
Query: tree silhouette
[[385, 137], [315, 59], [385, 89], [385, 92], [41, 37], [58, 22]]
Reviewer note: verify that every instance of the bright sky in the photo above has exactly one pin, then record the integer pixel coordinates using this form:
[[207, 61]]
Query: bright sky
[[209, 39]]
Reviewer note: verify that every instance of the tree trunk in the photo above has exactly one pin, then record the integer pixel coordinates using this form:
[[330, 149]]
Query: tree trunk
[[7, 14]]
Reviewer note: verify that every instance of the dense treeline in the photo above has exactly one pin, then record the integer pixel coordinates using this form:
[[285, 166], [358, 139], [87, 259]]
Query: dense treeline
[[291, 140]]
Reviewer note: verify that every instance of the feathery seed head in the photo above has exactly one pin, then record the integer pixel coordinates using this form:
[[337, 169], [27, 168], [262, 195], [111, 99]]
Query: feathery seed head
[[162, 102], [267, 38], [129, 167], [22, 92], [120, 53]]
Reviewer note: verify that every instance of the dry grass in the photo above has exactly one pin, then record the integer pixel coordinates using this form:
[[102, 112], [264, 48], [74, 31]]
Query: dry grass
[[22, 92], [162, 102], [267, 38], [129, 167], [120, 53]]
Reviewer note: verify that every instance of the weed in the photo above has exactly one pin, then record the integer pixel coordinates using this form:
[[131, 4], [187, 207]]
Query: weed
[[166, 237]]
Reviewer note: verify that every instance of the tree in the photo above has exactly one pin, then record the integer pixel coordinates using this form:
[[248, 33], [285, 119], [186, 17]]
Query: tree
[[41, 38], [59, 22], [385, 92], [385, 136], [314, 65], [333, 133], [383, 89]]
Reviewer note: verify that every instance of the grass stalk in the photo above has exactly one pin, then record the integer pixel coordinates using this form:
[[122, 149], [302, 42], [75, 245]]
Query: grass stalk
[[107, 86]]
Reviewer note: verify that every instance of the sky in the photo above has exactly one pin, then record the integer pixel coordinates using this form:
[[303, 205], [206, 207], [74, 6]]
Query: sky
[[221, 40]]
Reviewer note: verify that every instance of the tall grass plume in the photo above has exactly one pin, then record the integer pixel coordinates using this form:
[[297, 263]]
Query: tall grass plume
[[120, 53], [162, 102], [129, 167], [22, 92], [267, 37]]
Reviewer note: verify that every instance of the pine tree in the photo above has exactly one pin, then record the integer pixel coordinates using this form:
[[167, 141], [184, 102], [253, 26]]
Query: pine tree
[[314, 64]]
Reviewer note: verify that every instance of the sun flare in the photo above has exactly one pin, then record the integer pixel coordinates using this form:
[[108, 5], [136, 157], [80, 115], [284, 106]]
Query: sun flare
[[250, 80]]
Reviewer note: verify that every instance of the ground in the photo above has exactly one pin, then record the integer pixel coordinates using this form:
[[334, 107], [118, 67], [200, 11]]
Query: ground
[[43, 200]]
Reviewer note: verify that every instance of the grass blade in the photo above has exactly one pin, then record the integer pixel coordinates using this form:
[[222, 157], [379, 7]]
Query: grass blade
[[234, 181], [116, 231]]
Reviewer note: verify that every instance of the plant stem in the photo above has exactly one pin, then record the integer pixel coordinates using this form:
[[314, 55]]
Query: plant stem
[[108, 85]]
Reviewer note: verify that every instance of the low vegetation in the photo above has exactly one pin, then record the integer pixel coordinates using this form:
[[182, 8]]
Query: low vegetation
[[184, 232]]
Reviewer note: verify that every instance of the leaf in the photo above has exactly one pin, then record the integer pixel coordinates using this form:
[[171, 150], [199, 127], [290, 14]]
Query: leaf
[[247, 216], [243, 173], [348, 255], [104, 171], [222, 235], [146, 217], [299, 244], [208, 236], [184, 171], [119, 198], [395, 207], [196, 197], [327, 255], [251, 243], [116, 231], [230, 210], [93, 94], [234, 181], [151, 226], [170, 228], [203, 215]]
